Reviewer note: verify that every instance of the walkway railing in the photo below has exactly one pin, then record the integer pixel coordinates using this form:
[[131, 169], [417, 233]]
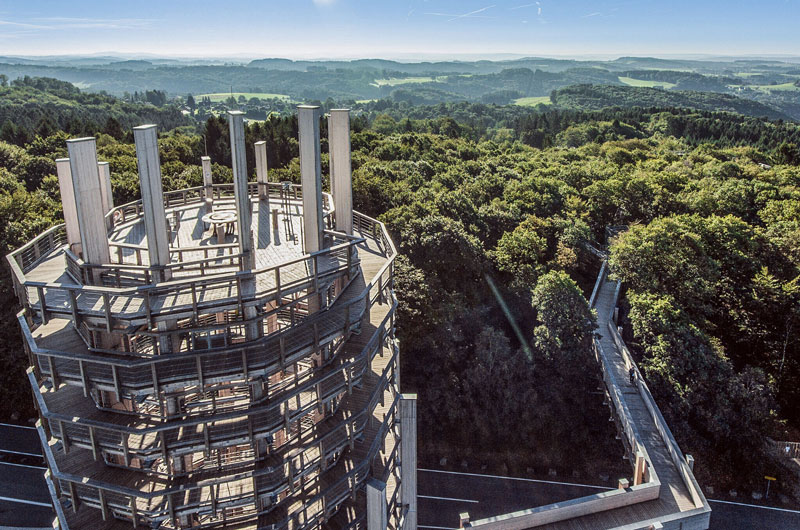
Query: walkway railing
[[677, 457], [31, 294], [126, 376]]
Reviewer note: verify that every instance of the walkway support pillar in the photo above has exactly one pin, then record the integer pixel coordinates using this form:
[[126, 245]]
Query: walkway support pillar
[[86, 188], [262, 172], [208, 180], [243, 206], [310, 176], [104, 170], [341, 170], [408, 458], [155, 219], [244, 212], [377, 517], [68, 203]]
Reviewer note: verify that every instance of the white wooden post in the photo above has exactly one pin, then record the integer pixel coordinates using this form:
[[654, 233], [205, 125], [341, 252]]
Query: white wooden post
[[408, 458], [208, 179], [68, 203], [105, 186], [262, 172], [310, 176], [155, 220], [377, 517], [341, 172], [243, 207], [86, 187]]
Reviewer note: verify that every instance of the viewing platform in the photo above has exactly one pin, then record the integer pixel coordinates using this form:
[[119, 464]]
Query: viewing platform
[[218, 356]]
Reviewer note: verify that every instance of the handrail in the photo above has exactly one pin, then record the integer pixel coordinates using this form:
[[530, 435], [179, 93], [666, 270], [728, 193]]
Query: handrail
[[380, 388], [676, 455], [123, 372], [55, 237], [143, 303], [663, 429], [368, 352]]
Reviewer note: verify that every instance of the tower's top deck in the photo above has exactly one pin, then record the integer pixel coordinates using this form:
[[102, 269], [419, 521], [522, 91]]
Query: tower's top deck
[[203, 271]]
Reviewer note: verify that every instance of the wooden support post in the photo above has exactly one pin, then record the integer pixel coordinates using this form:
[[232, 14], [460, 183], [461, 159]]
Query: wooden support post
[[84, 378], [125, 449], [134, 513], [86, 188], [340, 166], [408, 458], [103, 504], [155, 221], [310, 176], [68, 204], [377, 509], [93, 440], [208, 179], [106, 196], [73, 495], [241, 193], [639, 469], [262, 173]]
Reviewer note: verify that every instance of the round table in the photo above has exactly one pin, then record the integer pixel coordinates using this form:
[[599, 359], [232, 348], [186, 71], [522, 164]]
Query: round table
[[221, 222]]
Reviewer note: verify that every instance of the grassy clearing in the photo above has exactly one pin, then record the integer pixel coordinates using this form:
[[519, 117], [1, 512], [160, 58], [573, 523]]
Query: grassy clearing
[[260, 95], [532, 101], [784, 87], [644, 83], [394, 81]]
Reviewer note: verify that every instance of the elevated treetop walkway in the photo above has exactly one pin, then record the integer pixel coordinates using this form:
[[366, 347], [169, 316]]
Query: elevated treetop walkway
[[663, 492]]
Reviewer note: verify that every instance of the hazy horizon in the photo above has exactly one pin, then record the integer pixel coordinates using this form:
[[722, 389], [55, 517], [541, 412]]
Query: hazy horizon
[[352, 29]]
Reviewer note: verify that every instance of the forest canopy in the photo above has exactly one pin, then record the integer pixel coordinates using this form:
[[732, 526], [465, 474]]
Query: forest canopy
[[476, 193]]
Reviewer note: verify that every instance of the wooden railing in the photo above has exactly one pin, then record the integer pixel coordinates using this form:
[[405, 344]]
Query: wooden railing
[[272, 480], [132, 376]]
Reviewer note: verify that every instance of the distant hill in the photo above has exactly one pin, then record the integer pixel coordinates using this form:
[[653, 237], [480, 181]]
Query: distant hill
[[594, 97], [30, 104]]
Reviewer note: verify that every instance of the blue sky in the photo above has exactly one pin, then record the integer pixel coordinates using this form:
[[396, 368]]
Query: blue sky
[[400, 28]]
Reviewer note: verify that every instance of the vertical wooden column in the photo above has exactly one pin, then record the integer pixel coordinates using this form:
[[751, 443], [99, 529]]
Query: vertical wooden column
[[105, 186], [310, 176], [243, 206], [377, 517], [262, 172], [68, 204], [155, 221], [86, 187], [639, 468], [408, 458], [247, 286], [208, 179], [341, 171]]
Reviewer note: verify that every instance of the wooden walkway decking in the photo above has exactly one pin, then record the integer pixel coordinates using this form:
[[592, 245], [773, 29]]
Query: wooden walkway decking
[[674, 496]]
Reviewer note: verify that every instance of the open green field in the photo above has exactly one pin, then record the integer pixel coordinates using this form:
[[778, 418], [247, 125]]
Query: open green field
[[394, 81], [223, 96], [644, 83], [781, 88], [532, 101]]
